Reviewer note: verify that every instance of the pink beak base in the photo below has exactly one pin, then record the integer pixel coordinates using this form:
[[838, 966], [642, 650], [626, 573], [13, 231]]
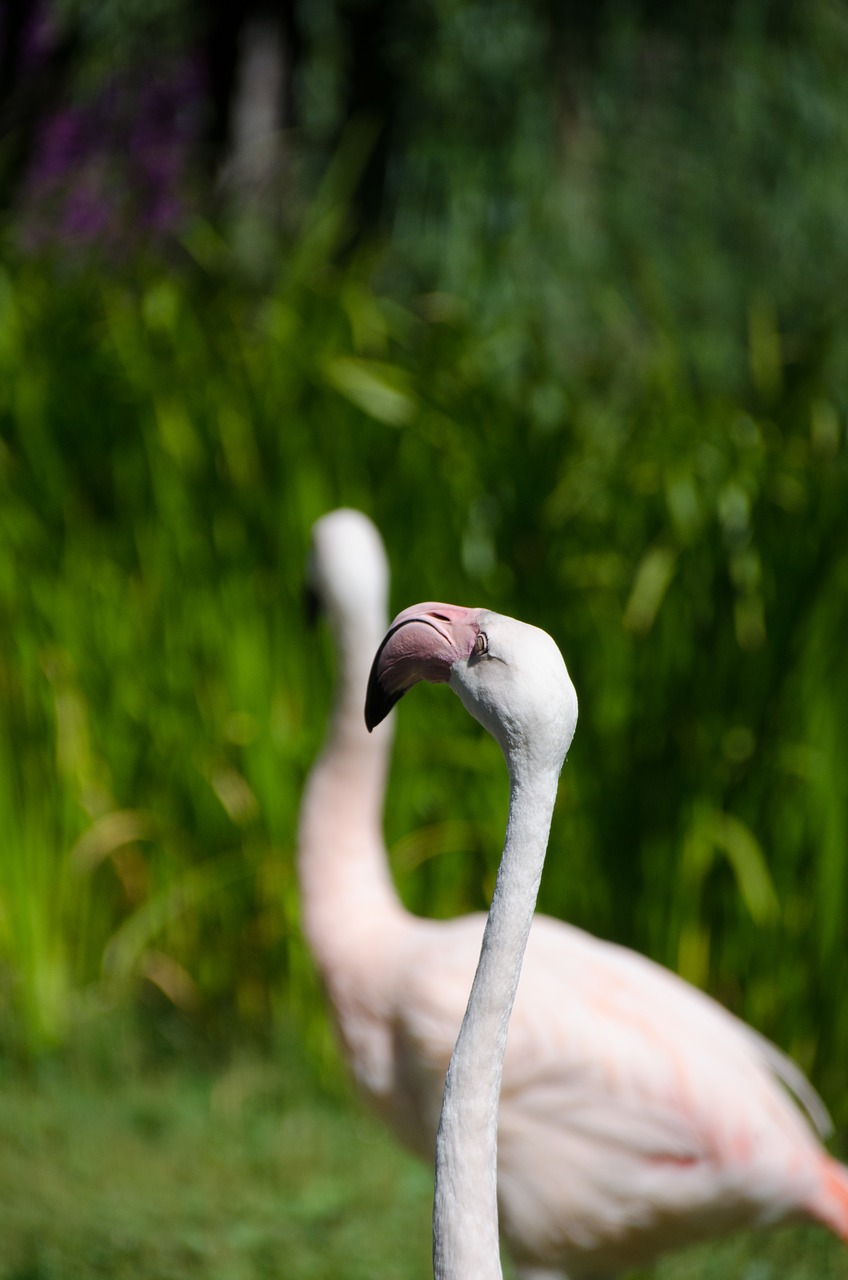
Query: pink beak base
[[422, 643]]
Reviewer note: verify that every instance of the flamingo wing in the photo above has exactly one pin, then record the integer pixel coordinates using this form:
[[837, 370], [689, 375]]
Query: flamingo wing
[[637, 1114]]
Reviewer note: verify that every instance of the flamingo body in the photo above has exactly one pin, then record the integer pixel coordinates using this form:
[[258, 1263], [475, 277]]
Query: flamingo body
[[636, 1115]]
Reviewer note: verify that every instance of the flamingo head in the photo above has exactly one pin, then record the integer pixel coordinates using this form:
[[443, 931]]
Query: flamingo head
[[510, 676], [347, 570]]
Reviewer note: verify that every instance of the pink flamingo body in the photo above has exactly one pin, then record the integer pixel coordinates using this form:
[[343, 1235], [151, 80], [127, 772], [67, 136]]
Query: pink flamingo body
[[635, 1114]]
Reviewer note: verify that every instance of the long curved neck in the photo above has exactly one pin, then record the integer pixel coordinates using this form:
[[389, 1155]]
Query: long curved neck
[[465, 1211], [345, 882]]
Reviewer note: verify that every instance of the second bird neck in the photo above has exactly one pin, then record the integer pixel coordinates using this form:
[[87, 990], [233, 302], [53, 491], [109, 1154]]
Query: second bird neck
[[345, 879]]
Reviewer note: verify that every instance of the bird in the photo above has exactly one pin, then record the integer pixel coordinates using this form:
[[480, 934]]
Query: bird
[[635, 1113], [533, 721], [593, 1068]]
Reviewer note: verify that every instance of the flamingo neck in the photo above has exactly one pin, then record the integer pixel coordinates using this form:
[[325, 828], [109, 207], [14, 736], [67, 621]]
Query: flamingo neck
[[345, 882], [465, 1212]]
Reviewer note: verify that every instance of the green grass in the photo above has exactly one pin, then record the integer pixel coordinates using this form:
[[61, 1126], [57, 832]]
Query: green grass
[[136, 1169], [230, 1173]]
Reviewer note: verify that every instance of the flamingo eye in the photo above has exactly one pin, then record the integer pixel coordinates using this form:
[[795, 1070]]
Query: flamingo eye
[[481, 644]]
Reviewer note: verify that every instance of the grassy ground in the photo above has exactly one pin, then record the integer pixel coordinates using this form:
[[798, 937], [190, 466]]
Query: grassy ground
[[245, 1170], [226, 1173]]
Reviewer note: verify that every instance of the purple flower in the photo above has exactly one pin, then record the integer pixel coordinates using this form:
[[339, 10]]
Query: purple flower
[[118, 168]]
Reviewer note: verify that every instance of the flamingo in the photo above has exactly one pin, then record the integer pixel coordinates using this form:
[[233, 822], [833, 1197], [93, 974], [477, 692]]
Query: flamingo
[[583, 1137], [649, 1117]]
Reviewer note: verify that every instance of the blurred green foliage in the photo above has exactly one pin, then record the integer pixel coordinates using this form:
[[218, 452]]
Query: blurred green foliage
[[593, 375]]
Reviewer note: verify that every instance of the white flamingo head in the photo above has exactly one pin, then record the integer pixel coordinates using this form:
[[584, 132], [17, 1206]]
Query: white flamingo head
[[347, 571], [510, 676]]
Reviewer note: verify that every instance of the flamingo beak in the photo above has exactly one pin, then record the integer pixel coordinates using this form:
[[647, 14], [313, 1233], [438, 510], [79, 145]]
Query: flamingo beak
[[423, 643]]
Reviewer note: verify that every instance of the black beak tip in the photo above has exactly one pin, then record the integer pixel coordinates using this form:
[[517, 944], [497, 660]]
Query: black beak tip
[[378, 703]]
